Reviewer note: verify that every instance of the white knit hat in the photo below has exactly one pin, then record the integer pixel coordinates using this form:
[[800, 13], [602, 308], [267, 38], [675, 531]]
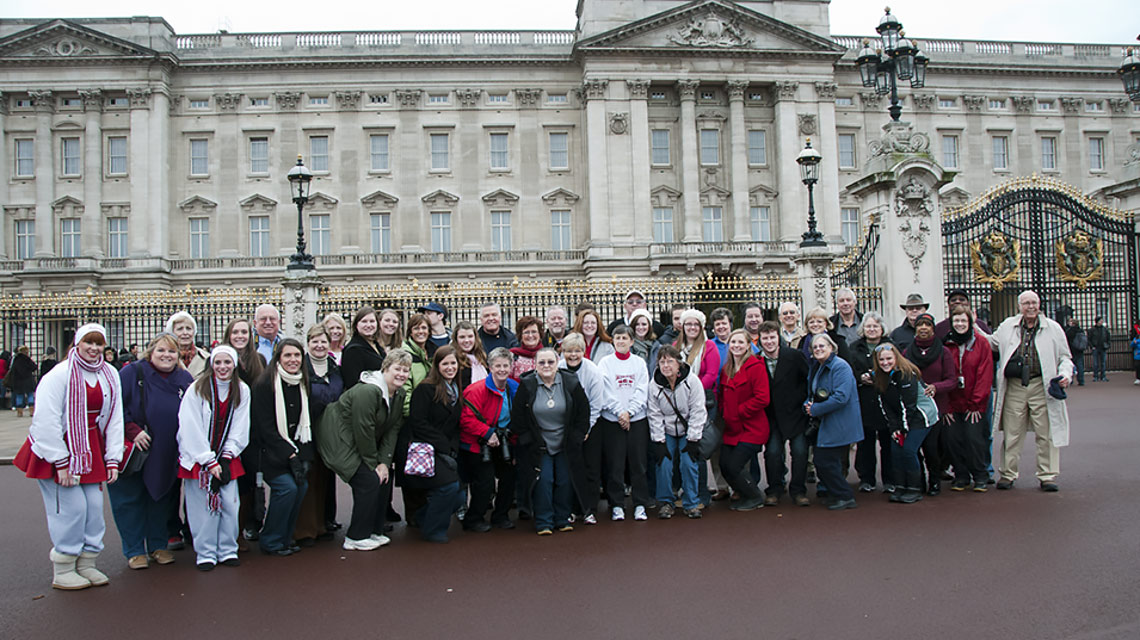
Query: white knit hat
[[226, 349], [92, 327], [181, 316], [689, 314]]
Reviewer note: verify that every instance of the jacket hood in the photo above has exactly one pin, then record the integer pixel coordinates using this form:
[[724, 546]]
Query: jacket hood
[[682, 373]]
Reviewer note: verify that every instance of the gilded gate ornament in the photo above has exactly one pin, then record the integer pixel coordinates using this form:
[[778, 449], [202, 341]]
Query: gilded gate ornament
[[996, 259], [1080, 258]]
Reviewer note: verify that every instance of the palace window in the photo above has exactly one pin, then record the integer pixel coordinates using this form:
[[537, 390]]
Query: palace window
[[500, 231], [560, 230], [710, 146], [199, 237], [500, 156], [559, 150], [319, 154], [69, 150], [25, 239], [1096, 154], [381, 233], [378, 150], [117, 155], [25, 158], [259, 236], [663, 224], [1048, 152], [200, 157], [659, 141], [69, 232], [757, 147], [439, 152], [259, 155], [950, 151], [320, 232], [846, 150], [440, 232], [712, 224], [1001, 152], [117, 237], [849, 225], [761, 219]]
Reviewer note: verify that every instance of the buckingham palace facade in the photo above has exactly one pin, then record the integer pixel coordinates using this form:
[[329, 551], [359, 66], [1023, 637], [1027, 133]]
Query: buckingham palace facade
[[659, 137]]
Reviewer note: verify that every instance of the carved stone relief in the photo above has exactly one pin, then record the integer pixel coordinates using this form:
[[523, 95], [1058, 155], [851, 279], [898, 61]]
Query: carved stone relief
[[227, 101], [826, 90], [348, 100], [638, 89], [468, 97], [595, 88], [899, 137], [807, 123], [66, 48], [786, 90], [711, 30], [973, 103], [139, 97], [619, 122], [408, 97], [527, 97], [288, 99]]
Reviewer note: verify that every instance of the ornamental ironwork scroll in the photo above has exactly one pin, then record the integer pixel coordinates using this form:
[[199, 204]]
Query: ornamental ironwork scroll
[[1080, 258], [996, 259]]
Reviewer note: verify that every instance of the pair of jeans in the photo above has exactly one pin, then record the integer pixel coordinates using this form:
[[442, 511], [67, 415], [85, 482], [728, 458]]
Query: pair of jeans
[[774, 460], [435, 516], [829, 468], [932, 451], [966, 444], [1100, 362], [21, 400], [370, 499], [905, 458], [1079, 364], [553, 492], [689, 471], [141, 519], [482, 476], [285, 495], [733, 460], [866, 460]]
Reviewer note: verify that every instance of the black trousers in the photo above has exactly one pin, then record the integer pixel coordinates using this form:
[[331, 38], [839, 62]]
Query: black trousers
[[482, 476], [592, 458], [966, 444], [733, 460], [866, 460], [829, 468], [369, 503], [620, 448], [932, 451]]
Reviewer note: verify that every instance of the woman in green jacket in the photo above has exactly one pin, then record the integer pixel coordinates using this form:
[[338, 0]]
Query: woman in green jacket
[[357, 439]]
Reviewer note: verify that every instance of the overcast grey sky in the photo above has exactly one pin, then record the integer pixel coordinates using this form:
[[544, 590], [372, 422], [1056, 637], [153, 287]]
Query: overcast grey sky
[[1107, 21]]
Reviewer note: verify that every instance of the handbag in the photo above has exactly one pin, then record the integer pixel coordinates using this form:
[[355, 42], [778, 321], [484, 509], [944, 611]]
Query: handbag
[[712, 436], [134, 457], [1014, 366], [421, 460]]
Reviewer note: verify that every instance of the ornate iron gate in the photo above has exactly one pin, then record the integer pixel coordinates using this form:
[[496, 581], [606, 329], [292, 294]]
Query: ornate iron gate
[[858, 271], [1042, 235]]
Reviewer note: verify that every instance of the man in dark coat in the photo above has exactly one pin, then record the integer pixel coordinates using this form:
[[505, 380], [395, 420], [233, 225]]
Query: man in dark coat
[[788, 389], [903, 334]]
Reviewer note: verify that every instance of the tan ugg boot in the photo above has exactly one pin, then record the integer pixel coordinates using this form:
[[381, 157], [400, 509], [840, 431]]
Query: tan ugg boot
[[85, 567], [31, 411], [65, 576], [19, 412]]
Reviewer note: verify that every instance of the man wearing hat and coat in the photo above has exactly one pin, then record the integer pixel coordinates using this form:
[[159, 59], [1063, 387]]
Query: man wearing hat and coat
[[1034, 368], [436, 314], [633, 301], [903, 334]]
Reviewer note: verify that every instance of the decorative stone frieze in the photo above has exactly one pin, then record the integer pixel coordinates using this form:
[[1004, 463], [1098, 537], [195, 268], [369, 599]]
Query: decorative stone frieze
[[711, 30], [638, 89], [92, 99], [736, 89], [826, 90], [66, 48], [687, 89], [1022, 104], [288, 100], [924, 101], [468, 97], [807, 123], [1120, 105], [139, 97], [228, 101], [408, 97], [870, 99], [528, 97], [619, 122], [899, 137], [973, 103], [786, 89], [595, 88], [1071, 105], [348, 100], [43, 101]]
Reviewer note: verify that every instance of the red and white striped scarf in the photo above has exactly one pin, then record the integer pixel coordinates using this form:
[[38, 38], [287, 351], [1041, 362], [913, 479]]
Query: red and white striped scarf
[[217, 438], [80, 463]]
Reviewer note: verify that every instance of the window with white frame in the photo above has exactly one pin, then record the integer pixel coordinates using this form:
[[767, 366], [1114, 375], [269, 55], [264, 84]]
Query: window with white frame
[[321, 233], [197, 103], [440, 160], [437, 98], [1045, 105], [950, 151], [1001, 152], [559, 150], [69, 236], [377, 98], [25, 157], [116, 237], [757, 147], [117, 155], [258, 236], [1095, 106], [500, 231], [658, 95], [557, 98], [1048, 152], [117, 102], [712, 224], [947, 103], [663, 224], [497, 98], [500, 154], [259, 102], [381, 229], [200, 156], [25, 239], [71, 102], [69, 154], [659, 143], [846, 150], [319, 154], [761, 220], [844, 101], [849, 225], [710, 146], [1096, 153], [560, 230], [997, 104], [378, 151], [318, 101], [259, 155], [440, 232], [199, 237]]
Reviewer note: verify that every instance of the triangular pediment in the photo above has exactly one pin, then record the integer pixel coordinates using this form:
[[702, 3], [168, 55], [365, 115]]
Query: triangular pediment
[[500, 197], [439, 196], [66, 41], [321, 199], [258, 202], [197, 203], [66, 202], [712, 188], [379, 197], [713, 26], [560, 196]]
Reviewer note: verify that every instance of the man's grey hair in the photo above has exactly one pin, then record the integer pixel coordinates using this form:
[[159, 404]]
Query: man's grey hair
[[501, 353]]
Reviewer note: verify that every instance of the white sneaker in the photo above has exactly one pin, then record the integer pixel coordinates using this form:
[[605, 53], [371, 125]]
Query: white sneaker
[[617, 514], [383, 540], [1133, 382], [590, 519], [639, 513], [368, 544]]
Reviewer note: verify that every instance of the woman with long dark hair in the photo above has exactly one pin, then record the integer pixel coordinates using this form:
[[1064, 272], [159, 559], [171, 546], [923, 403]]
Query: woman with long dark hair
[[239, 335], [598, 343], [363, 351], [469, 351], [968, 429], [250, 366], [434, 420], [899, 383]]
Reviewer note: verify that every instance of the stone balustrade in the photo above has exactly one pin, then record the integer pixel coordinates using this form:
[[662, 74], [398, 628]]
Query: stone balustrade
[[993, 48], [210, 44]]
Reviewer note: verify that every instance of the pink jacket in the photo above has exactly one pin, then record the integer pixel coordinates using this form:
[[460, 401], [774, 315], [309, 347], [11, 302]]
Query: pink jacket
[[710, 365]]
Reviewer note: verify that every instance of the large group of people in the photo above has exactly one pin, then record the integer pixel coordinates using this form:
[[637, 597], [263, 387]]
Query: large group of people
[[243, 444]]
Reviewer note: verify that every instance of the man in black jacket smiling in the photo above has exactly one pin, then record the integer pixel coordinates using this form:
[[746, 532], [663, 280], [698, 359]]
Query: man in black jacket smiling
[[788, 389]]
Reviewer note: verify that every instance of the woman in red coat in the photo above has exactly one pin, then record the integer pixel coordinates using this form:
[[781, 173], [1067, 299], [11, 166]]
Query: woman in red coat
[[742, 397], [966, 434]]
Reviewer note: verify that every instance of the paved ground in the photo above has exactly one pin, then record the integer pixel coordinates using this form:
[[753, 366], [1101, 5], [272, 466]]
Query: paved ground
[[1010, 565]]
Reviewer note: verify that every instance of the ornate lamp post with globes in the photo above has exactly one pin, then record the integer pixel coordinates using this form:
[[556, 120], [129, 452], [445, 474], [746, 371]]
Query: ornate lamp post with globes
[[300, 179], [1130, 74], [903, 61], [809, 173]]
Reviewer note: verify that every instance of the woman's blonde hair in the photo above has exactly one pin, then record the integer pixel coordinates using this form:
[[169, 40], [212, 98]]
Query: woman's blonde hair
[[732, 365]]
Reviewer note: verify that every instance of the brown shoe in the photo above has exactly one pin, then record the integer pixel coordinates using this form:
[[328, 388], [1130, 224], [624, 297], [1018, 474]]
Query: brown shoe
[[162, 556], [138, 562], [771, 500], [802, 501]]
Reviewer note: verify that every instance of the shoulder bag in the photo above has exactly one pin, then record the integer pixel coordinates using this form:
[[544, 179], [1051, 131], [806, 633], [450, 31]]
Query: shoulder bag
[[134, 457]]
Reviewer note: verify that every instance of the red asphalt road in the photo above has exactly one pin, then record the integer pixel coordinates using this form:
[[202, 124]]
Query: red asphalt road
[[1009, 565]]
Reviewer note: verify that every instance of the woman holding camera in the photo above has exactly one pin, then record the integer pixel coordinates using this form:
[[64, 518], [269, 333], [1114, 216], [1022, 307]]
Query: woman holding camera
[[968, 429], [484, 447], [939, 377], [899, 383], [835, 401]]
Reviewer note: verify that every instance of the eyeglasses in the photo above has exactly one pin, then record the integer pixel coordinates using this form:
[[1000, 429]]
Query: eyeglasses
[[885, 347], [546, 363]]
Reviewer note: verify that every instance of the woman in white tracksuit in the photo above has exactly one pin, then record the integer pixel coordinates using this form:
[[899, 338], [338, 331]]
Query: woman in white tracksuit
[[213, 428], [677, 418]]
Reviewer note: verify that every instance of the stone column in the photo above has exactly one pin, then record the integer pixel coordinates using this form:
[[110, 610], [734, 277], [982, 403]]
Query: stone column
[[92, 231], [813, 269], [690, 161], [741, 227], [5, 161], [594, 92], [44, 103], [159, 203], [138, 223], [639, 134], [827, 191], [302, 293], [793, 194]]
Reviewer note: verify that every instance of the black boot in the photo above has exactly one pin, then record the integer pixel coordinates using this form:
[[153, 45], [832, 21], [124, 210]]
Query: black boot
[[935, 485], [913, 491], [898, 480]]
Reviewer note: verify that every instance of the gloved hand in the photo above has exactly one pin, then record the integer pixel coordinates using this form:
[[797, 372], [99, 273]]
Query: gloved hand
[[661, 451], [224, 465], [215, 485], [693, 448]]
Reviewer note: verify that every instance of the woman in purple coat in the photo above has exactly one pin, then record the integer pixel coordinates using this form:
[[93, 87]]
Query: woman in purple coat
[[143, 502], [939, 377]]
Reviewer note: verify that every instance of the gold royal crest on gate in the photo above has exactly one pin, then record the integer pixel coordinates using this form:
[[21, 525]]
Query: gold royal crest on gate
[[996, 259], [1080, 258]]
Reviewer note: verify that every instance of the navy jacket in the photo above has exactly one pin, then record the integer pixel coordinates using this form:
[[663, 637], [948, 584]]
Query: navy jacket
[[163, 397]]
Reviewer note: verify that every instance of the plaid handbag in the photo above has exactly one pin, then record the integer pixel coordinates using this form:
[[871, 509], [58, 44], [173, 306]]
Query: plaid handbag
[[421, 460]]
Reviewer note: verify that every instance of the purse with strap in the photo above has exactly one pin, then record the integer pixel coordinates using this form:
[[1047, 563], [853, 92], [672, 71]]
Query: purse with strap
[[133, 457], [421, 460]]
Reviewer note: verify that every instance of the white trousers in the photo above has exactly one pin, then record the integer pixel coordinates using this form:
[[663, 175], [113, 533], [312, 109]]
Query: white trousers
[[74, 516], [215, 534]]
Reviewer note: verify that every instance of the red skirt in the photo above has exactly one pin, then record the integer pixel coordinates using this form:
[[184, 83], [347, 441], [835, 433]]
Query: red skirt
[[36, 467], [236, 470]]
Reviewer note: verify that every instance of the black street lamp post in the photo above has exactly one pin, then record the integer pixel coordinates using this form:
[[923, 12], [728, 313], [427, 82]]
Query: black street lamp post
[[903, 61], [1130, 74], [300, 179], [809, 172]]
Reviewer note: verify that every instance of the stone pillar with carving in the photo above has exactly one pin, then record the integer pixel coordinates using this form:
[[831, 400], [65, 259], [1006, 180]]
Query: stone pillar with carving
[[813, 269], [594, 92], [901, 185], [4, 162], [138, 224], [44, 103], [793, 193], [690, 162], [300, 308], [741, 229], [639, 137], [92, 231]]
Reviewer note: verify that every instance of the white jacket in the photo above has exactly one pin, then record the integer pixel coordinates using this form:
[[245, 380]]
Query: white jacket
[[627, 386], [1055, 358], [689, 397], [594, 384], [49, 425], [195, 415]]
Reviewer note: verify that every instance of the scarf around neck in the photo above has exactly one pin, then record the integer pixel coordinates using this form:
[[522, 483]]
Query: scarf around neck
[[217, 437], [80, 462], [924, 355], [320, 365], [304, 431]]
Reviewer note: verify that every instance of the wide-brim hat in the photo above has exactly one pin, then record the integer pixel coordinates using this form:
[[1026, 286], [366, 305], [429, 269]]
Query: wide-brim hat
[[915, 300]]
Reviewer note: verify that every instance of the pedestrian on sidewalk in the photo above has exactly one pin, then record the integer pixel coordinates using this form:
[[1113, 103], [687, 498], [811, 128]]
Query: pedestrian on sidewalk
[[21, 381], [1136, 356]]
